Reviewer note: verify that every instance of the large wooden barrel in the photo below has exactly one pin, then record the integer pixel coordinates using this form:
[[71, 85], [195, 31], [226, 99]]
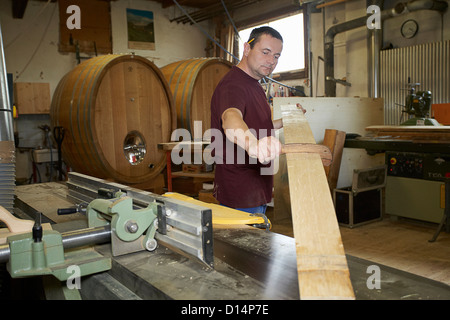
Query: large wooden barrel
[[115, 109], [193, 83]]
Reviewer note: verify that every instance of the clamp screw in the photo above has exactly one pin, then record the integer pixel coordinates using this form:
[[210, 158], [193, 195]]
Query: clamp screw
[[151, 245], [131, 226]]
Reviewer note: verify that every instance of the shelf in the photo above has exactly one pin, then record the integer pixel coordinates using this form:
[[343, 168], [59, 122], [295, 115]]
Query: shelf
[[208, 175]]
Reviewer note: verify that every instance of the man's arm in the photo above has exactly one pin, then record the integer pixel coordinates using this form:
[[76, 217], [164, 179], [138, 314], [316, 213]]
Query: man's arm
[[237, 131]]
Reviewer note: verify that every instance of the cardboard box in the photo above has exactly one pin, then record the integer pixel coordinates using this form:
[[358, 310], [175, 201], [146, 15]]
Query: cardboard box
[[441, 112], [207, 196], [197, 168], [186, 185]]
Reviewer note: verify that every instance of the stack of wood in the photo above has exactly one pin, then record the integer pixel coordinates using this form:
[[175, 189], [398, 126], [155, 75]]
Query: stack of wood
[[439, 134]]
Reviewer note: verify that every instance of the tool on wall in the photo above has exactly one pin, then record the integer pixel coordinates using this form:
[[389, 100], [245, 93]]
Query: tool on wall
[[342, 81], [48, 144], [58, 134]]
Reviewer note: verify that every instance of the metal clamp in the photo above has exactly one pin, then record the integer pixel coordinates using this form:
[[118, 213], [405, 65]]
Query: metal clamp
[[132, 230], [265, 225]]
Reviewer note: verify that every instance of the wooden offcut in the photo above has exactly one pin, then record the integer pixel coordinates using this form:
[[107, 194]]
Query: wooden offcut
[[32, 97], [413, 133], [334, 140], [15, 226], [322, 266]]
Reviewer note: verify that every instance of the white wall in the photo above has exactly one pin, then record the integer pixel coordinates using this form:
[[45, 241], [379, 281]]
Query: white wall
[[351, 115], [352, 48], [31, 53], [173, 41], [31, 60], [31, 44]]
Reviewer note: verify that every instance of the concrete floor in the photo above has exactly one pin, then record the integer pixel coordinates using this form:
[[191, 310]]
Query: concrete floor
[[400, 247]]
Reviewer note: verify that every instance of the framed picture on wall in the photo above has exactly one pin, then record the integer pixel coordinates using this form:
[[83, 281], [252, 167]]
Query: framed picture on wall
[[141, 32]]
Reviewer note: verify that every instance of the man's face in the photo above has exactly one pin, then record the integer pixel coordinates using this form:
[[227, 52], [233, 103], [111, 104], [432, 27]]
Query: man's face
[[263, 58]]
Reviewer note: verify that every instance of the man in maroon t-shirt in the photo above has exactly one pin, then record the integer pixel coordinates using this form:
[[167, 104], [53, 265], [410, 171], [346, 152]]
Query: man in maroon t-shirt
[[244, 142]]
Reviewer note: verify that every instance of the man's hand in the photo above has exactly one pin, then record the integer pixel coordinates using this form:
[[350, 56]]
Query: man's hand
[[237, 131], [299, 106], [265, 149]]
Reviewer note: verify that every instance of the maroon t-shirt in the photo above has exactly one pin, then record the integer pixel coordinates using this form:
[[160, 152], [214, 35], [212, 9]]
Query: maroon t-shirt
[[238, 180]]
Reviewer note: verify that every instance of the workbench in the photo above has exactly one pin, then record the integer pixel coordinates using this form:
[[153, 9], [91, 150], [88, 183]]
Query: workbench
[[374, 145], [250, 264], [378, 139]]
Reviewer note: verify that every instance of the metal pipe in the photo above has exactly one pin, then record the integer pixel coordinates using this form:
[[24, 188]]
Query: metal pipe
[[72, 239], [375, 63], [6, 124], [84, 237], [4, 253], [426, 4], [401, 8]]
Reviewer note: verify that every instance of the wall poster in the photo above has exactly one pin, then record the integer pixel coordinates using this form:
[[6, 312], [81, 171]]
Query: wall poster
[[141, 33]]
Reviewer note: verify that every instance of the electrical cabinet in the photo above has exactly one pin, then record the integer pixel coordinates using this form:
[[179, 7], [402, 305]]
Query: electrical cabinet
[[414, 187]]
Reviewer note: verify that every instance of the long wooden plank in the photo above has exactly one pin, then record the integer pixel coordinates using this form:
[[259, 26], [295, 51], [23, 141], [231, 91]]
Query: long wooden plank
[[321, 262]]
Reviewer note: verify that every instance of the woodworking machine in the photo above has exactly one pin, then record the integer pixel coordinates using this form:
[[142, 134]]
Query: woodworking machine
[[418, 104], [132, 220]]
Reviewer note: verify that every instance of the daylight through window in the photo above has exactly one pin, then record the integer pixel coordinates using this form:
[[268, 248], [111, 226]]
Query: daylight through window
[[291, 29]]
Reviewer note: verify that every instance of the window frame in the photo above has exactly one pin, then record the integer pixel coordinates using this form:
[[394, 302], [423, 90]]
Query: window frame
[[276, 15]]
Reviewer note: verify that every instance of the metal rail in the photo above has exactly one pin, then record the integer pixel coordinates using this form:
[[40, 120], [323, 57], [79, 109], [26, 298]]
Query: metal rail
[[72, 239]]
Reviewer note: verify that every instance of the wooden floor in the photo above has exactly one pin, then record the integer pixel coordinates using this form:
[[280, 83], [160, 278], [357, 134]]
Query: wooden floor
[[401, 244]]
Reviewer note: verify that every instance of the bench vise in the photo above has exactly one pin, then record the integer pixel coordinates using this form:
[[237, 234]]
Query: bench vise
[[132, 229], [42, 252]]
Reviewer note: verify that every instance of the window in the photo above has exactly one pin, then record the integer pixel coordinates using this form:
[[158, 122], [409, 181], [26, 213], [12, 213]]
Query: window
[[292, 30]]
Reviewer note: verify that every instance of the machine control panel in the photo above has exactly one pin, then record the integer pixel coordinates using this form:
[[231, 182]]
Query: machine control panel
[[428, 166]]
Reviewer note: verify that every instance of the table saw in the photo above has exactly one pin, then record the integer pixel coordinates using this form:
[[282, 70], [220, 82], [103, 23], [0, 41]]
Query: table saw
[[210, 261]]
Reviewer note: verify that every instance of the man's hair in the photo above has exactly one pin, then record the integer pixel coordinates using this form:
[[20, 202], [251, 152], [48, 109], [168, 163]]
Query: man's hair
[[257, 32]]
